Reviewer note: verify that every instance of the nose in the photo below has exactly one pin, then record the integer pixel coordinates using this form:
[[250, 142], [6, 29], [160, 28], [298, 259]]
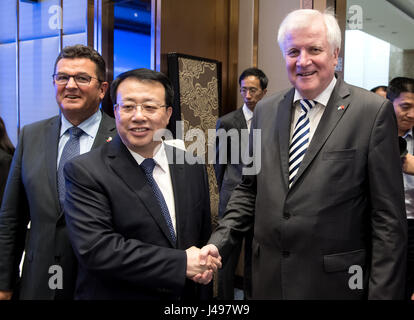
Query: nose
[[303, 59], [71, 83], [410, 113], [138, 114]]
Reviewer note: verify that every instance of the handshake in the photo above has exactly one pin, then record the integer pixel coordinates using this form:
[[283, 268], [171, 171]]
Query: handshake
[[202, 263]]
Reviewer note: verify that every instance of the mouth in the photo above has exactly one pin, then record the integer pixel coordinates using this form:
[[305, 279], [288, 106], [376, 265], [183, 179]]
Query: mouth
[[71, 97], [139, 131], [306, 74]]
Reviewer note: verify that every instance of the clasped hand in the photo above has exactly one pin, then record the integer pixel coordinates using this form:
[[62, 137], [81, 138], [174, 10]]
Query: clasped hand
[[202, 263]]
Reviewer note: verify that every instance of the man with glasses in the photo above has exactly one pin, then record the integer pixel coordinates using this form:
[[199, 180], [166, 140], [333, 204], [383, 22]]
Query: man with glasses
[[35, 190], [253, 86], [134, 211]]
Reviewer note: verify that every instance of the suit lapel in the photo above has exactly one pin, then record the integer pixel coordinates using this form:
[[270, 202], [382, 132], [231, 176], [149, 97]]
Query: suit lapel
[[51, 133], [178, 179], [105, 132], [337, 105], [284, 117], [240, 120], [125, 166]]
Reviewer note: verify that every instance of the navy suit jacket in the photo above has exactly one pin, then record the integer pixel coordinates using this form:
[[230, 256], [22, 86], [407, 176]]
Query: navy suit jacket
[[119, 234]]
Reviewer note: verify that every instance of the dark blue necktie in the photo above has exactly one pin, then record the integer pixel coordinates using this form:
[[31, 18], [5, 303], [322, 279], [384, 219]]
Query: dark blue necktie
[[148, 166], [70, 150]]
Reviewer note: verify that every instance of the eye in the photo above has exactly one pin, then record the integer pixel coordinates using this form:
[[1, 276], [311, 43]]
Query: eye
[[61, 77], [83, 78], [315, 50], [127, 107], [149, 108], [292, 53]]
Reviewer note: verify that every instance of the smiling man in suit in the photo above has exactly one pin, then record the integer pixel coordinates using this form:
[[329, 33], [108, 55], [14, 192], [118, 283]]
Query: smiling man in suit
[[35, 192], [134, 214], [327, 206]]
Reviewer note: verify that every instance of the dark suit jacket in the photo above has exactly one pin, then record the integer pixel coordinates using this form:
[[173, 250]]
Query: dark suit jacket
[[118, 232], [31, 195], [5, 160], [228, 174], [346, 206]]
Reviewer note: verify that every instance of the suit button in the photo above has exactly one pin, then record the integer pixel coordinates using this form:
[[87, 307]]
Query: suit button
[[286, 215], [285, 254]]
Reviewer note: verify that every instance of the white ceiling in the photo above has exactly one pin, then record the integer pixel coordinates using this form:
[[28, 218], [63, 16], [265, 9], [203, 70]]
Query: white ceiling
[[382, 19]]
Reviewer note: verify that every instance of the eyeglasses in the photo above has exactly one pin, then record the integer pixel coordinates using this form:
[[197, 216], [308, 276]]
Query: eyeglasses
[[251, 90], [130, 108], [80, 79]]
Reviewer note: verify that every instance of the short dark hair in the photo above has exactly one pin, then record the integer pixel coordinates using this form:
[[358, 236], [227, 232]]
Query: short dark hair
[[257, 73], [81, 51], [399, 85], [375, 89], [145, 75]]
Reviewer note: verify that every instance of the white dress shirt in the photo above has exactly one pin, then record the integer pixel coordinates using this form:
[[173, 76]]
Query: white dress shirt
[[315, 114], [162, 177], [409, 179], [248, 115]]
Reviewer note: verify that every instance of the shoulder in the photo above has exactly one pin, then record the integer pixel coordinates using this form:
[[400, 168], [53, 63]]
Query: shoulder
[[41, 123], [229, 118]]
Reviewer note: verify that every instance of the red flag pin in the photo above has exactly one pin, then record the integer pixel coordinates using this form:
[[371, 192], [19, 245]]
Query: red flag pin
[[341, 107], [109, 139]]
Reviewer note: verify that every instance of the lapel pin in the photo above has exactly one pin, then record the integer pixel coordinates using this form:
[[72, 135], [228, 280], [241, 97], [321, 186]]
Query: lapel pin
[[341, 107], [109, 139]]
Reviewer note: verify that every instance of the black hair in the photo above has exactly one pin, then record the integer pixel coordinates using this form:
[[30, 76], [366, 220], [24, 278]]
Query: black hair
[[257, 73], [5, 142], [81, 51], [399, 85], [144, 74]]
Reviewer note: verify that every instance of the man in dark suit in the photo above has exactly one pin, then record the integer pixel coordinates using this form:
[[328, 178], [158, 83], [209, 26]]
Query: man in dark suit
[[135, 211], [400, 92], [232, 130], [33, 193], [327, 206]]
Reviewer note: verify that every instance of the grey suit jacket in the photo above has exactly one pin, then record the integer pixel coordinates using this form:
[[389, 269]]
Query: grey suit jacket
[[345, 208], [31, 195]]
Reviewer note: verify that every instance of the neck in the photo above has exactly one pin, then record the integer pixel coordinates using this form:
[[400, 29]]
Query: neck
[[76, 118]]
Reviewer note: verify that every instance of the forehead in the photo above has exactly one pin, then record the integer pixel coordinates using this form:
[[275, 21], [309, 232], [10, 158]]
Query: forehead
[[250, 81], [406, 97], [132, 88], [76, 65], [313, 34]]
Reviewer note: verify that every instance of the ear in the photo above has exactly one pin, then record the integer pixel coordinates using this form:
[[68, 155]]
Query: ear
[[103, 88], [335, 56]]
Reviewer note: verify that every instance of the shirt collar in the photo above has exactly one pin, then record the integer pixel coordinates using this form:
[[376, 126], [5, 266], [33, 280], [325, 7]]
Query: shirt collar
[[409, 133], [323, 98], [248, 114], [160, 157], [89, 126]]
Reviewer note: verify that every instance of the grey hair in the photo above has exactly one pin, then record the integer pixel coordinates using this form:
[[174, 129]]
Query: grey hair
[[302, 18]]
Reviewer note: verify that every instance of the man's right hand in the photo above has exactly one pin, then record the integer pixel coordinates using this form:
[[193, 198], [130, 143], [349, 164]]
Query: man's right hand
[[6, 295]]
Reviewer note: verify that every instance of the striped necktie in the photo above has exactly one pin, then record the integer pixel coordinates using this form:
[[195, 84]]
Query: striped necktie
[[300, 139]]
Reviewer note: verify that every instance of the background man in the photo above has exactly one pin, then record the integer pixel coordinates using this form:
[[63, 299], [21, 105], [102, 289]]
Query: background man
[[33, 192], [380, 90], [327, 206], [401, 93], [253, 83], [133, 214]]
